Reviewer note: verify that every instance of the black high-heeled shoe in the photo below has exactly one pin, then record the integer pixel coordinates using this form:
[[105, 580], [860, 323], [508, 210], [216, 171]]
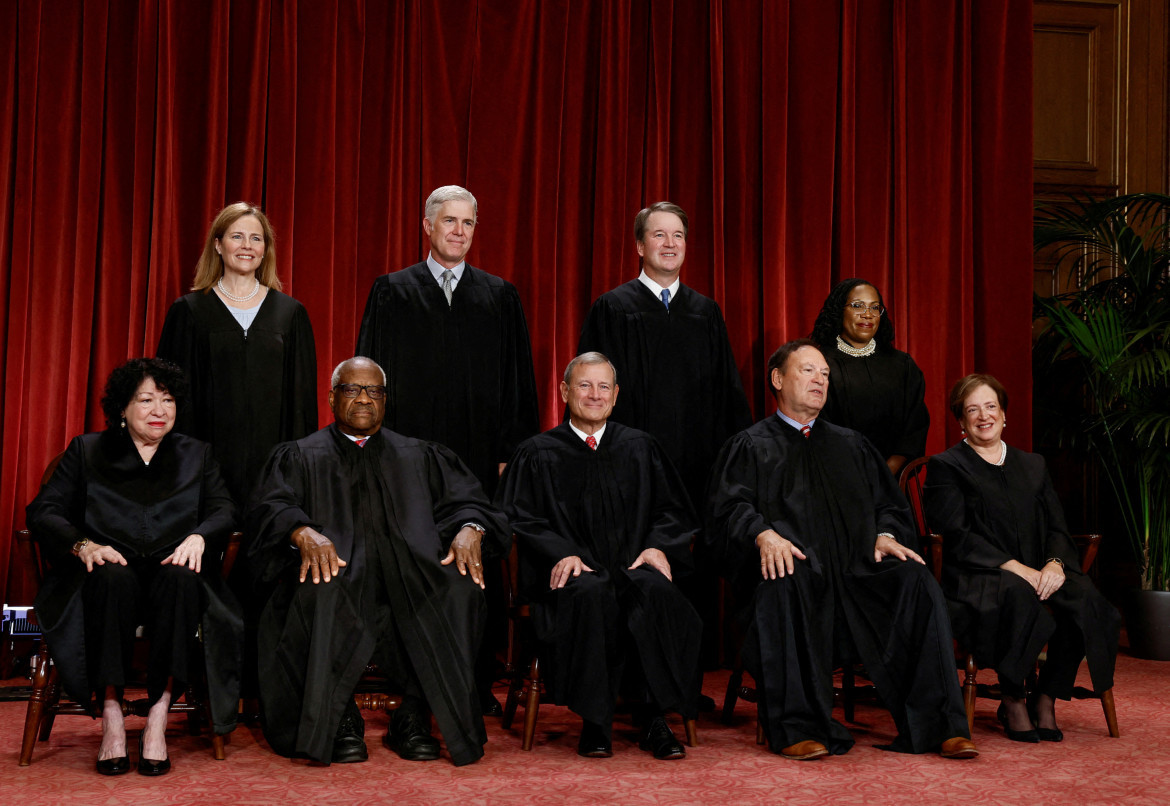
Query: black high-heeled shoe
[[1045, 734], [148, 766], [1029, 736], [118, 765]]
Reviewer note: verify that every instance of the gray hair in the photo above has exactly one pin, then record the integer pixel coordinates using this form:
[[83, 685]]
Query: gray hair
[[440, 196], [335, 378], [589, 358]]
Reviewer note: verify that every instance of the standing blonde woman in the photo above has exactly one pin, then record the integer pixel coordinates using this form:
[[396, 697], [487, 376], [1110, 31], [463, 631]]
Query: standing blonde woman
[[246, 347]]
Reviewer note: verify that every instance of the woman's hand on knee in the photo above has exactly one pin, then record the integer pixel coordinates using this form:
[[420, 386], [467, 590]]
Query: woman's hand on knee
[[188, 553], [96, 554]]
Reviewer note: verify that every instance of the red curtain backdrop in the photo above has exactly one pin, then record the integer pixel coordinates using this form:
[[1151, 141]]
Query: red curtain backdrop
[[810, 140]]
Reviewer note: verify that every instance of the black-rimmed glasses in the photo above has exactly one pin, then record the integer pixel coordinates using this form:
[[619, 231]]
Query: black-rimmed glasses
[[353, 390]]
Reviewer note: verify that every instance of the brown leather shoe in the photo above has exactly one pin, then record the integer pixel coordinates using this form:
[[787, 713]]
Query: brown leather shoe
[[958, 747], [807, 750]]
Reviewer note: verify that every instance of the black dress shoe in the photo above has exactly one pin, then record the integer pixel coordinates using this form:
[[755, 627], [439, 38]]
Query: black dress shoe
[[593, 743], [1029, 736], [148, 766], [118, 765], [660, 741], [410, 736], [349, 744], [489, 705]]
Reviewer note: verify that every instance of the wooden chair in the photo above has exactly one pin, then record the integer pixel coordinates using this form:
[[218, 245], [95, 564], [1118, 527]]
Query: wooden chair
[[912, 482], [45, 702], [523, 687]]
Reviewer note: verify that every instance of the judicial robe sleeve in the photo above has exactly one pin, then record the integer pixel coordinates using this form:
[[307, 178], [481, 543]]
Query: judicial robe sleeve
[[276, 510], [911, 442], [734, 517], [459, 499], [519, 410], [960, 519]]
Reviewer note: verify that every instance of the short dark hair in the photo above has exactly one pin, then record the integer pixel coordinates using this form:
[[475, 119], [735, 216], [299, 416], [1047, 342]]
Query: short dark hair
[[827, 327], [779, 359], [965, 386], [125, 380], [659, 207]]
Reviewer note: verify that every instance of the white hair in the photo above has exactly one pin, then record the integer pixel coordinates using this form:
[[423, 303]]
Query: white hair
[[589, 358], [440, 196], [335, 378]]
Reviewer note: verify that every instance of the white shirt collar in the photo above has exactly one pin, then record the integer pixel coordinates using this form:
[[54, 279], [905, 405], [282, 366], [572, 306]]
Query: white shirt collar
[[792, 422], [596, 434], [644, 278], [438, 268]]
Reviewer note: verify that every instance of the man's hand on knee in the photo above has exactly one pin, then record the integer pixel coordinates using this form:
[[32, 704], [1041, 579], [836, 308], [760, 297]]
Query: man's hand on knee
[[318, 554], [777, 554], [466, 554], [656, 560], [568, 567], [887, 546]]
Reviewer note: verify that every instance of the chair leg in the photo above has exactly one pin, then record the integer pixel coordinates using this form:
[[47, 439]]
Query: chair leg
[[515, 691], [760, 732], [732, 694], [217, 748], [532, 706], [692, 733], [969, 689], [1110, 713], [35, 712]]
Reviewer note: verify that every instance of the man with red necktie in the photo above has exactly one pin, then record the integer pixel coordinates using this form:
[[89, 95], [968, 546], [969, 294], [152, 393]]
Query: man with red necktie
[[604, 529], [806, 514]]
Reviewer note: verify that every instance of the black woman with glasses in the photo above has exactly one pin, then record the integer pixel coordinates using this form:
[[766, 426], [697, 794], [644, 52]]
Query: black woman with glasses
[[873, 388]]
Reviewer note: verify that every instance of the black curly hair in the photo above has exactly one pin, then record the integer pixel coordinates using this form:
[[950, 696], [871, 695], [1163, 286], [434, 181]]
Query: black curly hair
[[828, 325], [125, 380]]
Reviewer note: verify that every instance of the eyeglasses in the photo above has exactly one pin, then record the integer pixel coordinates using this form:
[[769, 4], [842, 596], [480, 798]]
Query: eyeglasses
[[353, 390], [858, 307]]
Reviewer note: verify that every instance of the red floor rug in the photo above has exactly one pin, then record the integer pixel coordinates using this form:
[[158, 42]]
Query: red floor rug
[[727, 767]]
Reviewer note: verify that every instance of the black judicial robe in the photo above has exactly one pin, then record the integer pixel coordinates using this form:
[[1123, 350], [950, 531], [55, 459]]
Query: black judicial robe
[[677, 374], [459, 374], [831, 495], [990, 514], [882, 396], [391, 508], [606, 506], [248, 393], [102, 490]]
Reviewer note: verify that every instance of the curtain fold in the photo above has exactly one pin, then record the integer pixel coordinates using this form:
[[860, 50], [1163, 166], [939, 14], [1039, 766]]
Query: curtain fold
[[809, 142]]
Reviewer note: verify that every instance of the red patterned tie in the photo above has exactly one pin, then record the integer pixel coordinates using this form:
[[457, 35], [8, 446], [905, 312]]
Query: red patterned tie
[[361, 441], [591, 442], [805, 430]]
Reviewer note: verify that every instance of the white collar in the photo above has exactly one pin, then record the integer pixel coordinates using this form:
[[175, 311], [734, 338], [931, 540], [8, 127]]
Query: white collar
[[596, 434], [645, 280], [438, 268]]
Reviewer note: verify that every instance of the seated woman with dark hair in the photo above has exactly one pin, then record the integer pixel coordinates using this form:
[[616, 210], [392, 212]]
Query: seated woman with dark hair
[[873, 388], [1008, 558], [132, 523]]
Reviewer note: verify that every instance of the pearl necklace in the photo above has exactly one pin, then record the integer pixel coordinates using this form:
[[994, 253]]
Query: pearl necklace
[[232, 297], [1002, 452], [856, 352]]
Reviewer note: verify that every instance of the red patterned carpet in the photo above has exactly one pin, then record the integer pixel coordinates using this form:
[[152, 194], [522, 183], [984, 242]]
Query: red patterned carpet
[[726, 768]]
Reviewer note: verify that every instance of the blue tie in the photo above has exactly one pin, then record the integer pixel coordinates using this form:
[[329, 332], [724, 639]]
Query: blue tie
[[666, 298]]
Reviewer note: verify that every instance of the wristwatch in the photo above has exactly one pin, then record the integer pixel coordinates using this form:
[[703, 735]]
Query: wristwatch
[[1056, 560], [79, 545]]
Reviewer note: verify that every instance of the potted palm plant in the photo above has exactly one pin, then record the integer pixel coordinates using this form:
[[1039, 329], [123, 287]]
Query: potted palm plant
[[1103, 374]]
